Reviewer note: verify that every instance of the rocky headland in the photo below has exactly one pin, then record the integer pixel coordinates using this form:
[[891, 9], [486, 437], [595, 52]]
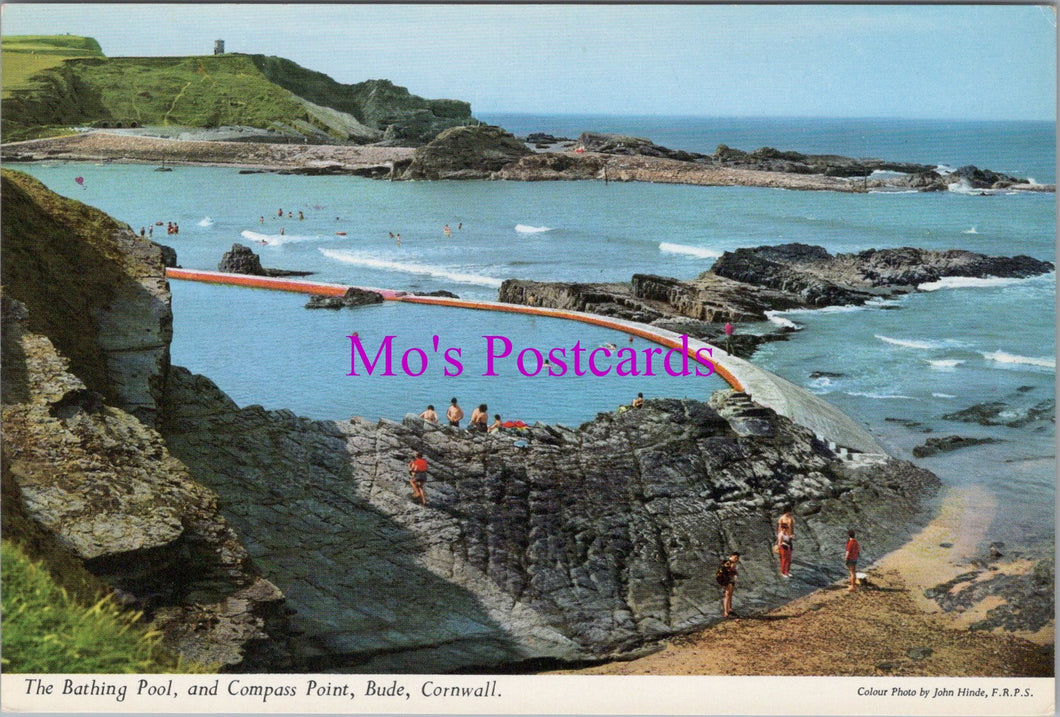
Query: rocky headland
[[746, 284], [487, 152]]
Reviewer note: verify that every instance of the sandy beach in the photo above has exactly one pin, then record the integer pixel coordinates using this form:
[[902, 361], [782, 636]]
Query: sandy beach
[[886, 627], [123, 148]]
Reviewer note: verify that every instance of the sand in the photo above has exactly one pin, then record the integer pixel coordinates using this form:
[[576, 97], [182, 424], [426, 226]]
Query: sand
[[886, 627]]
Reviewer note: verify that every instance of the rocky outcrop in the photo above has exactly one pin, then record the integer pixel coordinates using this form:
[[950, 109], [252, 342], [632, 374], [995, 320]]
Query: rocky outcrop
[[241, 259], [772, 160], [352, 298], [465, 153], [105, 488], [746, 284], [934, 446], [821, 279], [93, 287], [630, 146], [583, 544]]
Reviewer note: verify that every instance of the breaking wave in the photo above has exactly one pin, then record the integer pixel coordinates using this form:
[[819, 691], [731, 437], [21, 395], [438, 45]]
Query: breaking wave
[[527, 229], [349, 257], [699, 251]]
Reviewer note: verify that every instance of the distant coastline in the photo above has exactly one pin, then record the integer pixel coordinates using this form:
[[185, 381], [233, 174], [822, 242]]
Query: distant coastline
[[383, 162]]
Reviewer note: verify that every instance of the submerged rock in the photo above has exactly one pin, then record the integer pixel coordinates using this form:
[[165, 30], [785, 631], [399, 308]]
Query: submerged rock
[[933, 446], [352, 298]]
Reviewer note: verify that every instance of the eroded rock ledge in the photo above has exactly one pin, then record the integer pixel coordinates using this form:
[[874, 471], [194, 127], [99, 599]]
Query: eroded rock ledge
[[104, 486], [745, 284], [583, 545]]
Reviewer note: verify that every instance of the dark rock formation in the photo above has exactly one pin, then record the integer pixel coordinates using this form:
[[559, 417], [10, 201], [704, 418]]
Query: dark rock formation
[[103, 486], [630, 146], [242, 260], [933, 446], [93, 287], [1028, 599], [772, 160], [583, 544], [744, 284], [465, 153], [818, 278], [439, 292], [1001, 413], [352, 298]]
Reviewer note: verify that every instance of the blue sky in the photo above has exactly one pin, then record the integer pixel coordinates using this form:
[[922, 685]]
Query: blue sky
[[974, 62]]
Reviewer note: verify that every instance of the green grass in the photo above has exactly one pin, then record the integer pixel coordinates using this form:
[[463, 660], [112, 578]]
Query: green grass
[[44, 630], [23, 56], [207, 91]]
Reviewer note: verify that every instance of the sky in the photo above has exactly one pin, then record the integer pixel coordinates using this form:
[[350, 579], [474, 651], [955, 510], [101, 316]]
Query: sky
[[915, 61]]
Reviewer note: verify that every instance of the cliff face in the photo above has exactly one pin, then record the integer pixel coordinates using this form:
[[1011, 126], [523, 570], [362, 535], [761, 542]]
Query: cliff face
[[582, 544], [105, 488], [85, 355], [93, 287]]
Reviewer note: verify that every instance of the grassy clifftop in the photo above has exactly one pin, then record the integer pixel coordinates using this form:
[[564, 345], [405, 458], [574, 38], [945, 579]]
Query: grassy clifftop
[[27, 55], [52, 83]]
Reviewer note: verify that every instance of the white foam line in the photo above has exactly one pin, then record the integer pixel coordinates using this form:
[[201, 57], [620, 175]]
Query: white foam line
[[410, 268]]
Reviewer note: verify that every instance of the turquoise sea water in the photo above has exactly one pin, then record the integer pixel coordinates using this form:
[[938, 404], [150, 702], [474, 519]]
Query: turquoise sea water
[[898, 367]]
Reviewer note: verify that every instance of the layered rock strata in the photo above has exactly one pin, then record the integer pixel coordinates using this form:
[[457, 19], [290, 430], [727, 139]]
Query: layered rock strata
[[103, 485], [743, 285], [582, 545], [93, 287]]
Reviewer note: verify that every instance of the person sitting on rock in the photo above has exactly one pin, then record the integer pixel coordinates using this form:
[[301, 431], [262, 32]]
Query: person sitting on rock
[[429, 414], [479, 418], [638, 402], [497, 424], [418, 476]]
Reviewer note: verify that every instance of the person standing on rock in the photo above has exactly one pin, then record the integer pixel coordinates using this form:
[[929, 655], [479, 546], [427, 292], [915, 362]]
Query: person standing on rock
[[726, 577], [852, 552], [728, 337], [418, 476], [785, 539], [454, 413]]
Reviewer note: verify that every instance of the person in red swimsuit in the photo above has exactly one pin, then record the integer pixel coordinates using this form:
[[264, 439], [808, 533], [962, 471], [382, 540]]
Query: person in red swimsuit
[[418, 476], [853, 549]]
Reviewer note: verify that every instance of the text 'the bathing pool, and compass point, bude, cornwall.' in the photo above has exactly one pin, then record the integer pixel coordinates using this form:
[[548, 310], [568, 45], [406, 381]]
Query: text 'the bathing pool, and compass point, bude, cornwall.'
[[544, 359]]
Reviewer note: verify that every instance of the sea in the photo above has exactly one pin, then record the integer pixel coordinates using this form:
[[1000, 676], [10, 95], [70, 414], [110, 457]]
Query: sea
[[903, 367]]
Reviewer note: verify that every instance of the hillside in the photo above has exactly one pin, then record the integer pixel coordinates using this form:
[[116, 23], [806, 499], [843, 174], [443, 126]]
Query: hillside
[[27, 55], [60, 82]]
